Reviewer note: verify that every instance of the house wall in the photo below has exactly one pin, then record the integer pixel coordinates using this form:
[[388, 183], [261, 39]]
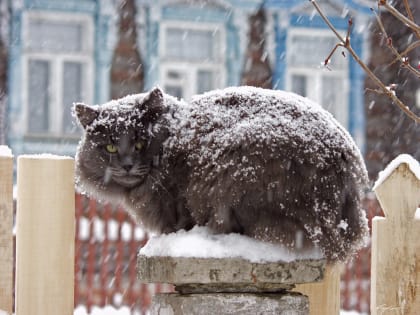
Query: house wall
[[230, 18], [101, 13]]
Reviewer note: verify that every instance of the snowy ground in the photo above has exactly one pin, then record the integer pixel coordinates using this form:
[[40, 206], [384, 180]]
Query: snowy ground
[[108, 310]]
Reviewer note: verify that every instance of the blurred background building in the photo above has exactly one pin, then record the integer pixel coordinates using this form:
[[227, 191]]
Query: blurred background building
[[62, 52]]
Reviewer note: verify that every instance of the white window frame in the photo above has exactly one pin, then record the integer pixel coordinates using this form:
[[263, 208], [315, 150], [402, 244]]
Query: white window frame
[[190, 69], [315, 73], [56, 61]]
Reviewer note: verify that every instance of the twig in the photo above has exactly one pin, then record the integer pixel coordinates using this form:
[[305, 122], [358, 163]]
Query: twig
[[327, 60], [408, 9], [381, 86], [411, 47], [404, 60], [406, 21], [332, 28], [410, 15]]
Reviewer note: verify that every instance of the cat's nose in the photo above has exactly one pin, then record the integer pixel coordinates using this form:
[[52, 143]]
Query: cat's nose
[[127, 167], [127, 163]]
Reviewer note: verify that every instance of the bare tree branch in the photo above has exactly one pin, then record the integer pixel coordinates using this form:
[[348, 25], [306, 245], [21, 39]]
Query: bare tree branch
[[326, 20], [410, 16], [406, 21], [410, 48], [345, 42], [400, 57]]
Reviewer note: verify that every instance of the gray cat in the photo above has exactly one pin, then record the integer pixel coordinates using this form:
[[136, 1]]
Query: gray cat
[[268, 164]]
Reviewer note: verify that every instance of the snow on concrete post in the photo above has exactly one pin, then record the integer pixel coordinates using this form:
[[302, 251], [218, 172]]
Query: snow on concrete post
[[6, 227], [45, 231], [226, 274], [395, 283]]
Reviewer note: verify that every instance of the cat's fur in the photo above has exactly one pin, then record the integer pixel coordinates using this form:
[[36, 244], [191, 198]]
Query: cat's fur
[[268, 164]]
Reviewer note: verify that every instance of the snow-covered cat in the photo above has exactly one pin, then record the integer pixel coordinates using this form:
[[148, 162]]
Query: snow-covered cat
[[268, 164]]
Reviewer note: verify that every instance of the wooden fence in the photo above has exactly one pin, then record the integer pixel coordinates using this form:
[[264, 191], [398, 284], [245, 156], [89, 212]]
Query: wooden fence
[[396, 242], [6, 234], [107, 243]]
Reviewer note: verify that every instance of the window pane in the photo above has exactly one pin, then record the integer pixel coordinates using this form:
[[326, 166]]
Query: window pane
[[174, 75], [54, 36], [204, 81], [299, 84], [310, 51], [190, 45], [38, 101], [175, 91], [201, 45], [332, 94], [72, 92], [174, 43]]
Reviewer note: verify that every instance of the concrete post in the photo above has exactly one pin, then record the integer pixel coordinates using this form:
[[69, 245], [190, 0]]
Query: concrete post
[[229, 285]]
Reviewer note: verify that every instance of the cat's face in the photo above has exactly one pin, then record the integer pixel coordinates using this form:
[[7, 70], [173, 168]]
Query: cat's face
[[117, 150]]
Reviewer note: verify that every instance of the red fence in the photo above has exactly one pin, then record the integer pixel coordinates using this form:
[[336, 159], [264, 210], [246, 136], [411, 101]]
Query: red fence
[[107, 244]]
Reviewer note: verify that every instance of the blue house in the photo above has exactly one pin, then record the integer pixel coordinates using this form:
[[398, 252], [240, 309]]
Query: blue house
[[61, 51]]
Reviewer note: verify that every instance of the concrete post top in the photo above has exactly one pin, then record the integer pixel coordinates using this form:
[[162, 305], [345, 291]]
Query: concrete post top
[[195, 275]]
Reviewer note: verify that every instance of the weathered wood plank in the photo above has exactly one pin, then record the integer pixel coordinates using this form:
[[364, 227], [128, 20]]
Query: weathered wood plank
[[324, 296], [6, 233], [45, 236], [395, 283]]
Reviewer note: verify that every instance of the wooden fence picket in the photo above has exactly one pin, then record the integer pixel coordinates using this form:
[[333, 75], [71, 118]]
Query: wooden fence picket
[[395, 282], [324, 296], [6, 234], [45, 227]]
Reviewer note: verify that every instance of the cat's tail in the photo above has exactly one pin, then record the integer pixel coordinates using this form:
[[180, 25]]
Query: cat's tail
[[351, 231]]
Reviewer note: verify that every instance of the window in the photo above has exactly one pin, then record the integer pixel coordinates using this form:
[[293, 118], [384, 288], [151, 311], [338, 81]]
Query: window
[[192, 45], [192, 59], [58, 62], [306, 75]]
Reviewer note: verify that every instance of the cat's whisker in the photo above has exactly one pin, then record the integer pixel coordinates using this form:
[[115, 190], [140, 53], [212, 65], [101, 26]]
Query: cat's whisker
[[143, 173], [141, 170]]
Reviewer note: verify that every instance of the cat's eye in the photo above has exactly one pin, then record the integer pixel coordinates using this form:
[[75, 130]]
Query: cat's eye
[[139, 145], [111, 148]]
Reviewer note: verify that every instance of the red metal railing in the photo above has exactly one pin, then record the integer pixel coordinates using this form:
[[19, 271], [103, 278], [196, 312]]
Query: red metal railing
[[107, 243]]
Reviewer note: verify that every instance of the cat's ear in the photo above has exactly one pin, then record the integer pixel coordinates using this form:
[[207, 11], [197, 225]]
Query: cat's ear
[[153, 103], [154, 98], [85, 114]]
